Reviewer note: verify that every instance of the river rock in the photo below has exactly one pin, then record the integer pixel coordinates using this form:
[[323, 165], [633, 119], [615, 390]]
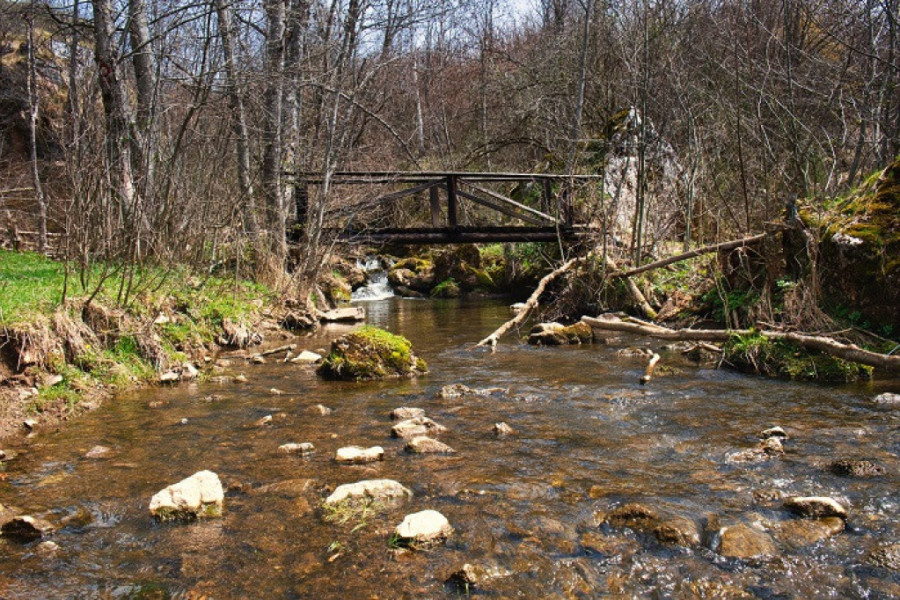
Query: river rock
[[850, 467], [320, 409], [886, 556], [406, 412], [634, 352], [458, 390], [258, 359], [743, 541], [517, 307], [423, 528], [556, 334], [358, 454], [370, 353], [47, 548], [169, 377], [415, 427], [678, 531], [263, 421], [425, 445], [98, 452], [303, 449], [369, 489], [501, 429], [633, 515], [470, 575], [344, 315], [767, 449], [804, 532], [887, 398], [306, 357], [815, 506], [26, 528], [199, 496], [774, 432]]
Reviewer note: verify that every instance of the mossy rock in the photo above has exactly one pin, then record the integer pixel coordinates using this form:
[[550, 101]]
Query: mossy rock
[[414, 273], [555, 334], [778, 358], [460, 264], [446, 289], [371, 353]]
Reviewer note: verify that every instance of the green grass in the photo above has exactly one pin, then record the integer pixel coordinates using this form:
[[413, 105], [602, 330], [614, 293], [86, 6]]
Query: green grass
[[30, 285]]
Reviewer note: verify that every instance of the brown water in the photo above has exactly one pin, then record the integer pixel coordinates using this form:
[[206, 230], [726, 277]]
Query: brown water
[[587, 439]]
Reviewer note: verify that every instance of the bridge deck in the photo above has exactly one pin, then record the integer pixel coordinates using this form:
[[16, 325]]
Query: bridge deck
[[462, 235]]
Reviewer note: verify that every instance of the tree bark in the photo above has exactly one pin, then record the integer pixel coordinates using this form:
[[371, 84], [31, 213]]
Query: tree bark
[[272, 130], [145, 78], [33, 108]]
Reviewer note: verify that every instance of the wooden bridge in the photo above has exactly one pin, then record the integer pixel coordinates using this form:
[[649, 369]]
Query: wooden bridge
[[446, 217]]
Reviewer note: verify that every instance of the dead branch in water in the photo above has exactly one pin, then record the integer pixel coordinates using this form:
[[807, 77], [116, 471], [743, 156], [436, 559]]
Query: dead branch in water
[[648, 372], [849, 352], [530, 304]]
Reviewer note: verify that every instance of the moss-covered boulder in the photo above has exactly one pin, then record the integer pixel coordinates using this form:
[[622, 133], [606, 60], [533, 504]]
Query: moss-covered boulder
[[448, 288], [414, 273], [860, 249], [371, 353], [461, 263]]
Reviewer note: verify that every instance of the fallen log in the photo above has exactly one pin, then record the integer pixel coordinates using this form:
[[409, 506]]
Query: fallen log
[[530, 304], [849, 352], [648, 372]]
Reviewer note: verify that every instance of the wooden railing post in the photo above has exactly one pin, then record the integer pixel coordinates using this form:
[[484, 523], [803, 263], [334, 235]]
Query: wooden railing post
[[435, 199], [451, 202]]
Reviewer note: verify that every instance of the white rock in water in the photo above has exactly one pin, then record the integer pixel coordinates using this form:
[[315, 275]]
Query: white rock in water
[[374, 489], [503, 429], [423, 527], [358, 454], [353, 313], [406, 412], [774, 432], [169, 377], [425, 445], [306, 357], [189, 372], [815, 506], [302, 449], [200, 495], [417, 426], [887, 398]]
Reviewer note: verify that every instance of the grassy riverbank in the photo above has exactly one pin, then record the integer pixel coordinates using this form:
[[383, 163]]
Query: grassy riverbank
[[68, 334]]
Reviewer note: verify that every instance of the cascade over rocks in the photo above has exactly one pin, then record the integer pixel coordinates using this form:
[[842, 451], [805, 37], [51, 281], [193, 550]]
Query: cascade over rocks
[[199, 496]]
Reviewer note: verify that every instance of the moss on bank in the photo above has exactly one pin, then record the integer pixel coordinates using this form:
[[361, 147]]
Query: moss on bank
[[371, 353], [777, 358], [69, 348]]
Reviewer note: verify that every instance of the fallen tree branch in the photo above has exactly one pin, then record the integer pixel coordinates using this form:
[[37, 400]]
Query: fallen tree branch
[[648, 372], [849, 352], [633, 290], [691, 254], [530, 304]]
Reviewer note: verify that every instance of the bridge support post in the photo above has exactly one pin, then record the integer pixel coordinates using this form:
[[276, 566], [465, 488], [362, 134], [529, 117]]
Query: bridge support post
[[546, 195], [451, 202], [435, 199]]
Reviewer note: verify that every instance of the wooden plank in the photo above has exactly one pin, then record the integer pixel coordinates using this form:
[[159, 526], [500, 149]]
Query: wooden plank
[[386, 198], [369, 177], [510, 201], [451, 202], [460, 235], [435, 200]]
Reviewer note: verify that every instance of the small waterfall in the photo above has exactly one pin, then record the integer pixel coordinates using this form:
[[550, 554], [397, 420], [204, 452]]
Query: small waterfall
[[378, 287]]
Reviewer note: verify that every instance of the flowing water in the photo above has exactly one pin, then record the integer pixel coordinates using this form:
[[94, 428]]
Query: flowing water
[[587, 439]]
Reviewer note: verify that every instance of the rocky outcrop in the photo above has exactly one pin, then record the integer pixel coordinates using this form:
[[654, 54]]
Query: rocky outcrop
[[410, 428], [371, 353], [199, 496], [369, 489], [423, 528], [815, 507], [425, 445], [359, 455], [556, 334]]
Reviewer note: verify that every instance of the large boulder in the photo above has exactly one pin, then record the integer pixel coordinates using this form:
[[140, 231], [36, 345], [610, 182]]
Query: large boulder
[[371, 353], [199, 496], [367, 490]]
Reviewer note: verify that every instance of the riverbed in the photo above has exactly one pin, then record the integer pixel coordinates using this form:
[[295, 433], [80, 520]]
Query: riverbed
[[528, 507]]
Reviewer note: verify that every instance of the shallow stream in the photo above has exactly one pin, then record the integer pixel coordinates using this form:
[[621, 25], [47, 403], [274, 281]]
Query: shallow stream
[[587, 438]]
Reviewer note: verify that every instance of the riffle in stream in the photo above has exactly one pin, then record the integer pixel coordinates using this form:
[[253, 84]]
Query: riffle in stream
[[587, 439]]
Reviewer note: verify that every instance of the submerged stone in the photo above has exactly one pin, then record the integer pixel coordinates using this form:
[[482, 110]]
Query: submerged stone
[[425, 445], [26, 529], [370, 353], [804, 532], [678, 531], [501, 429], [633, 515], [406, 412], [199, 496], [815, 506], [886, 556], [416, 427], [850, 467], [743, 541]]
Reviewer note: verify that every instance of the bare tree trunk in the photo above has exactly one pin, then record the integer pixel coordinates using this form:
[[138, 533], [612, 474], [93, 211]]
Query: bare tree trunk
[[31, 84], [145, 78], [297, 23], [273, 131], [588, 6], [239, 120]]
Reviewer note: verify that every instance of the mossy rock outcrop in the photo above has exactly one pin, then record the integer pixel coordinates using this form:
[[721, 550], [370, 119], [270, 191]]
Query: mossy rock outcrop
[[371, 353], [777, 358], [860, 249], [556, 334], [413, 273]]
